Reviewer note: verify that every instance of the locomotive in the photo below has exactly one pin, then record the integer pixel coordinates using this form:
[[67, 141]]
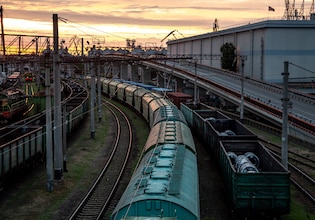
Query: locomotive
[[12, 103]]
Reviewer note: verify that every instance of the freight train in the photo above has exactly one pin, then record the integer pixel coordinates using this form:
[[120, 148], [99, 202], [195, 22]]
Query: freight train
[[165, 183], [23, 144], [256, 183]]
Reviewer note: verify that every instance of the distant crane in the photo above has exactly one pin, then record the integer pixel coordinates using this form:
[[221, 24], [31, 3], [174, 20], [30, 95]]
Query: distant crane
[[312, 8], [172, 32], [33, 41], [292, 13], [76, 42]]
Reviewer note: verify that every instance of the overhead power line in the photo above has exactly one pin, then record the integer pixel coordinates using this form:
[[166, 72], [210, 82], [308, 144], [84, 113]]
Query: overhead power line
[[302, 68], [65, 20]]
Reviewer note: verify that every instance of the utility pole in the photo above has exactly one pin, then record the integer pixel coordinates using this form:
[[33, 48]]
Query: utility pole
[[64, 137], [99, 91], [195, 84], [2, 30], [242, 94], [285, 100], [82, 47], [49, 148], [58, 149], [92, 68]]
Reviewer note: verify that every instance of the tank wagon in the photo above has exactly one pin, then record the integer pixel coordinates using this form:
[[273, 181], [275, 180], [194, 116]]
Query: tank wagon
[[255, 181], [165, 183]]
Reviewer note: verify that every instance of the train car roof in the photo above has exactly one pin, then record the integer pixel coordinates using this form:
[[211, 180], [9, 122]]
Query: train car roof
[[14, 75], [155, 101], [146, 86], [167, 174], [11, 92], [159, 89], [170, 132], [168, 113]]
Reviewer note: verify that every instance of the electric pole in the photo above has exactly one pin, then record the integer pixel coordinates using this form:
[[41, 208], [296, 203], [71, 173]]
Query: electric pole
[[49, 148], [99, 90], [242, 94], [285, 101], [58, 149], [92, 68], [2, 30]]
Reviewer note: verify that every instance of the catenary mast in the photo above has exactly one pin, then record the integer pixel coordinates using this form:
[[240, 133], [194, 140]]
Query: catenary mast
[[58, 148]]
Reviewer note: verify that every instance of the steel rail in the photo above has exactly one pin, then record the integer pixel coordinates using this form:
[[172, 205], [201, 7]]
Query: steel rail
[[93, 189]]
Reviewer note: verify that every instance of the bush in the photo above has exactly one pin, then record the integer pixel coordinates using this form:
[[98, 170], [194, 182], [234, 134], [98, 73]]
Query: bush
[[228, 58]]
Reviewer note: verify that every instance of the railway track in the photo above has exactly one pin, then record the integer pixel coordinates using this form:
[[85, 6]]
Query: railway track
[[22, 143], [305, 162], [98, 197], [300, 168]]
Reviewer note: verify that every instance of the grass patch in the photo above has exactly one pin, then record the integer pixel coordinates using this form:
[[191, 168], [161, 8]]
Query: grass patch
[[298, 210]]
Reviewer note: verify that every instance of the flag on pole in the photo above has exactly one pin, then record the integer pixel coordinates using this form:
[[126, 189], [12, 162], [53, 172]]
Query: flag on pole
[[270, 8]]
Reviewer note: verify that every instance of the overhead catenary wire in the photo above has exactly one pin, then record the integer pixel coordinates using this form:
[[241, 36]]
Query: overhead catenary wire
[[44, 133], [67, 21], [32, 121], [303, 68]]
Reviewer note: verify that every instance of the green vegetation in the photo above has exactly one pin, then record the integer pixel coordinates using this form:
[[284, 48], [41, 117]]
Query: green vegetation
[[298, 209], [228, 56]]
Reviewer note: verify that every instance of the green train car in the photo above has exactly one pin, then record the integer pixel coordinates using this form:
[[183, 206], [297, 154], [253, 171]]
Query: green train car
[[256, 183], [266, 190]]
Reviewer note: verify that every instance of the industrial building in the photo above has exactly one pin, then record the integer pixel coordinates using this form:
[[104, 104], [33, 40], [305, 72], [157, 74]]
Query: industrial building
[[262, 46]]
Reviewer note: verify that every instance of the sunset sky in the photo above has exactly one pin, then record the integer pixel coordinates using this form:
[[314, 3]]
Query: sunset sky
[[148, 22]]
